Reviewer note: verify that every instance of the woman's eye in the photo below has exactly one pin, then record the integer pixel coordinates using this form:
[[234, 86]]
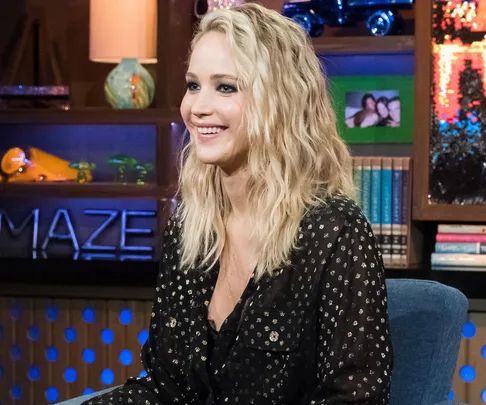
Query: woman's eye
[[191, 86], [227, 88]]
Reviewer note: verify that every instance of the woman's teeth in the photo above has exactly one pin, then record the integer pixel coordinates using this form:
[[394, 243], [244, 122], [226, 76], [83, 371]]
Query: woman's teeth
[[212, 130]]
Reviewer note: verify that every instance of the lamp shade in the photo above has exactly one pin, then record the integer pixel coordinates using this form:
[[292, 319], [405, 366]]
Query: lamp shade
[[121, 29]]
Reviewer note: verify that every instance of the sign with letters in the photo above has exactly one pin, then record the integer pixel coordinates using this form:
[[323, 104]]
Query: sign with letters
[[45, 235]]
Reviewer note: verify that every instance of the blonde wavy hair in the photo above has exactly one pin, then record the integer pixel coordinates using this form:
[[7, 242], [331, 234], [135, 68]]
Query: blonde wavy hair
[[296, 159]]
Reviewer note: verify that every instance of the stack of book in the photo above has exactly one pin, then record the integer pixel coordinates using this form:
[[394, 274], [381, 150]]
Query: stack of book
[[383, 185], [460, 247]]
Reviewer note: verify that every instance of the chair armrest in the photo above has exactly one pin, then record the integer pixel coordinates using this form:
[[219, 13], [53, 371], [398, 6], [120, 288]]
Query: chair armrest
[[81, 399]]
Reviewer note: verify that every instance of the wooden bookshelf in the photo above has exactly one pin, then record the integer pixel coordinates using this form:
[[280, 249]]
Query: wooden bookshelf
[[364, 44], [89, 116], [86, 190]]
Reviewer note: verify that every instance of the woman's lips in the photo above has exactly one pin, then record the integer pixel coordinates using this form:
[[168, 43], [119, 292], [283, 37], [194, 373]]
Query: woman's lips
[[209, 137]]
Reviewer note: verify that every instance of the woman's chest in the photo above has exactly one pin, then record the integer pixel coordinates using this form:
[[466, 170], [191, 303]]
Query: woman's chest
[[274, 336]]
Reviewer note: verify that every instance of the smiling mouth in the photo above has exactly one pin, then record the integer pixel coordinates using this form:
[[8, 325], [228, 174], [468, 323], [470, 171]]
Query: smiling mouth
[[210, 130]]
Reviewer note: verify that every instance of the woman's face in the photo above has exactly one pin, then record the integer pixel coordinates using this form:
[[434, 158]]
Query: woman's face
[[212, 107], [382, 109], [370, 103]]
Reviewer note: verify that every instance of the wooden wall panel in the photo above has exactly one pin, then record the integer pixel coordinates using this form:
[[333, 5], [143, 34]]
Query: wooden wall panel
[[106, 315], [44, 325], [459, 386], [76, 348], [5, 341], [95, 343], [33, 312], [114, 308], [476, 360], [58, 342]]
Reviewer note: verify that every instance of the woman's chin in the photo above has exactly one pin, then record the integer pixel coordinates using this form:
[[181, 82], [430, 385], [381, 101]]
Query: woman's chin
[[209, 158]]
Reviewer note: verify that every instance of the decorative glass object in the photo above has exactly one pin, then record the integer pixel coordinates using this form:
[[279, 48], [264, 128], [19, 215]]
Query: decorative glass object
[[142, 171], [129, 85], [83, 168], [458, 133], [122, 163]]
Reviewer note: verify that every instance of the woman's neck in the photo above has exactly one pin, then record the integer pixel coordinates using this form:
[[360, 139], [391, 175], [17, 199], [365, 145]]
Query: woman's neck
[[235, 189]]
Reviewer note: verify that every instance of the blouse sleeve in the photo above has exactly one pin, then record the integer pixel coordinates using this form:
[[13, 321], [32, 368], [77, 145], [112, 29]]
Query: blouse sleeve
[[162, 384], [354, 352]]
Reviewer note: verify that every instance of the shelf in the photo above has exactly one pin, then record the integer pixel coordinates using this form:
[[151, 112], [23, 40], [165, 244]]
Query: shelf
[[364, 45], [91, 190], [149, 116], [450, 213], [67, 278], [136, 279]]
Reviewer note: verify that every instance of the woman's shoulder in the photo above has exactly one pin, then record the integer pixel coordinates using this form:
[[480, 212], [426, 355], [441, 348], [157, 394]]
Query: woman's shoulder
[[337, 208], [173, 226]]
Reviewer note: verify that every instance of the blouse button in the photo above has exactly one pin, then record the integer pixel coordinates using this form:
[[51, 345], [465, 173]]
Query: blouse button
[[273, 336], [172, 322]]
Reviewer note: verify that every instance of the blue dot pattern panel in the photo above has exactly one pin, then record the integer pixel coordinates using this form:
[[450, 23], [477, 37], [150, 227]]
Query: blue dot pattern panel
[[469, 384], [90, 350], [51, 350]]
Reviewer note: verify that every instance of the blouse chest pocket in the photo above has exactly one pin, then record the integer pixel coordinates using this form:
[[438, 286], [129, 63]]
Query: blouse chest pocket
[[274, 330], [268, 352]]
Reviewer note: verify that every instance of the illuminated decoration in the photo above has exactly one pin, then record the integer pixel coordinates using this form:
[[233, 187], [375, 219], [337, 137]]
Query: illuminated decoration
[[37, 165], [62, 221], [457, 148], [217, 4], [213, 5]]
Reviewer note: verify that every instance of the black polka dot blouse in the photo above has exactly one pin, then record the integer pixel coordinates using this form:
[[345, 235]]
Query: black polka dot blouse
[[317, 332]]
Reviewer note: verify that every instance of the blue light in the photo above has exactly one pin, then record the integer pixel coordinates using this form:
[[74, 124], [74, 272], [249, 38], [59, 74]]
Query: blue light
[[126, 317], [89, 356], [1, 372], [469, 330], [88, 391], [52, 394], [483, 396], [126, 357], [107, 376], [483, 351], [33, 333], [34, 373], [15, 353], [16, 392], [467, 373], [142, 336], [451, 395], [52, 314], [88, 315], [70, 375], [107, 336], [70, 335], [16, 312], [143, 373], [1, 332], [51, 353]]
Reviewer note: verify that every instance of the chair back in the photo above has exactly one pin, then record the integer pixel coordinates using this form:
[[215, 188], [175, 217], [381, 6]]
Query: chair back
[[426, 321]]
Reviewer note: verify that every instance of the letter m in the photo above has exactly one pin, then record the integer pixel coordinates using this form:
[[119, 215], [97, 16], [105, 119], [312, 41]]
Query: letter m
[[4, 218]]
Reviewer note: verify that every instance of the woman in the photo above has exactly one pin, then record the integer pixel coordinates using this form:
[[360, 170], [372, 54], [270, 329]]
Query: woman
[[382, 111], [271, 288], [365, 117]]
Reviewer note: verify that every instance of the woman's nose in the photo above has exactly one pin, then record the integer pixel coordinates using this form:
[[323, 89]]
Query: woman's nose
[[202, 104]]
